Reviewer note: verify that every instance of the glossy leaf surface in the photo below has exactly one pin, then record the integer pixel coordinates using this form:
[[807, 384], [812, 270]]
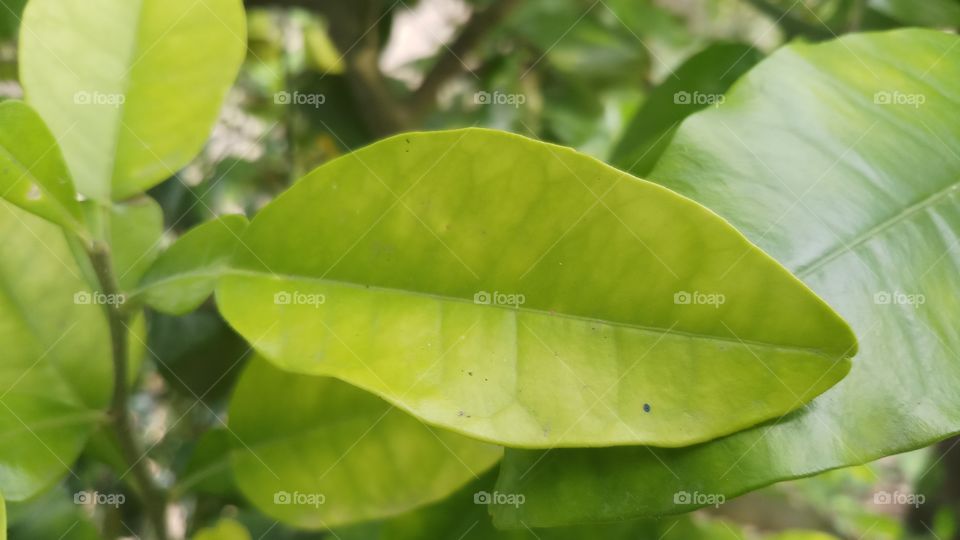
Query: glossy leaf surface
[[528, 295], [130, 88], [824, 156]]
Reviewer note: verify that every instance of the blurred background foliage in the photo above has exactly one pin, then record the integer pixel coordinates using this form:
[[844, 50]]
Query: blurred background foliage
[[598, 75]]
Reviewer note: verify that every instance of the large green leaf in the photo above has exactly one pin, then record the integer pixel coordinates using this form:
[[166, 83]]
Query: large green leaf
[[392, 268], [32, 172], [856, 191], [130, 88], [316, 452], [185, 275], [55, 371], [464, 516]]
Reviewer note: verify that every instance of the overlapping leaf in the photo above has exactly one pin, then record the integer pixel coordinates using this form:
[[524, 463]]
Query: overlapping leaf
[[315, 452], [185, 275], [700, 82], [528, 295], [842, 160]]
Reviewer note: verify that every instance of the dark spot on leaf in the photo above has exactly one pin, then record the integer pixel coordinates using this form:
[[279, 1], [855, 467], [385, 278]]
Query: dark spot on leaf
[[646, 407]]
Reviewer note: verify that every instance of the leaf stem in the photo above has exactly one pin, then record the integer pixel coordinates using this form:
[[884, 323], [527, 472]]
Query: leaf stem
[[152, 496]]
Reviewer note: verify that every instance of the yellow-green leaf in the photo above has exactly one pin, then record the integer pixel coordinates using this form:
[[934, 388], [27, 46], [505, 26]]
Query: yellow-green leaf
[[185, 275], [131, 88], [315, 452], [33, 175], [528, 295]]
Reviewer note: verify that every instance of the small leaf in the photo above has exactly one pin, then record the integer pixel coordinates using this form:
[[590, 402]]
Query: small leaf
[[225, 529], [700, 82], [32, 172], [135, 229], [315, 452], [131, 89], [185, 275], [527, 295]]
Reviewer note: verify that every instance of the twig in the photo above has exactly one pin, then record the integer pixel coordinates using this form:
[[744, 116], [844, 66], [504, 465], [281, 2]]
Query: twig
[[151, 495], [857, 9]]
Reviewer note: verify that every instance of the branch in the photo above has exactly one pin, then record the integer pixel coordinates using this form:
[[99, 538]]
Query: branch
[[359, 39], [450, 62], [354, 30], [154, 500]]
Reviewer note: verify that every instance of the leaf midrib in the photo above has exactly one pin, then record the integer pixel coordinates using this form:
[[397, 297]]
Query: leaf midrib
[[654, 330], [125, 88], [862, 238]]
